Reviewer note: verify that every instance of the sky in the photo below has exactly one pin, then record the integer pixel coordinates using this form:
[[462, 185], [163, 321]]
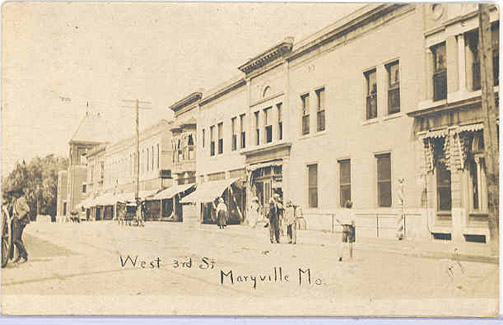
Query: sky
[[60, 60]]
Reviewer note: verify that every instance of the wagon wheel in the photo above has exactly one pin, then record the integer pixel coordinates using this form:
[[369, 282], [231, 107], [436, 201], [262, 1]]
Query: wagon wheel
[[6, 237]]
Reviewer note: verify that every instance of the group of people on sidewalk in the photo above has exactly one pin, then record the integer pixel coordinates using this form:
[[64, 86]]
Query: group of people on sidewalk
[[277, 216]]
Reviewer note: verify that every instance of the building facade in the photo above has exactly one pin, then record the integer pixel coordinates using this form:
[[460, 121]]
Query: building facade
[[91, 132], [111, 171], [345, 115], [448, 121]]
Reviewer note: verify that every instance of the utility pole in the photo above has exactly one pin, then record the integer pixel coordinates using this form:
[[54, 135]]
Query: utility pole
[[137, 108], [490, 115]]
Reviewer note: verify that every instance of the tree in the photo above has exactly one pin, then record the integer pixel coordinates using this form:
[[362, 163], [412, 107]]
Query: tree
[[39, 178]]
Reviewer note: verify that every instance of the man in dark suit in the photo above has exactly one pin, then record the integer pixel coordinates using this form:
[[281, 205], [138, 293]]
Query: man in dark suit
[[20, 212], [274, 215]]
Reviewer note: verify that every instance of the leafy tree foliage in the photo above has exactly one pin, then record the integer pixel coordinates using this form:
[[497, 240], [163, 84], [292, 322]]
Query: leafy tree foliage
[[39, 179]]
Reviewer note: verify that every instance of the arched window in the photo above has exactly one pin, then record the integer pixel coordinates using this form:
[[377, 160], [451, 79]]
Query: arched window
[[266, 91]]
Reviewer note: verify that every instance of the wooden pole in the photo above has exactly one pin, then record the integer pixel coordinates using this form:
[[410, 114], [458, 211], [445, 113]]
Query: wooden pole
[[490, 115]]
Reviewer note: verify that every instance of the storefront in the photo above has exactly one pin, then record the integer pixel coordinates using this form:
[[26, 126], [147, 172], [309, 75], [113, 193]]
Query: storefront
[[206, 196]]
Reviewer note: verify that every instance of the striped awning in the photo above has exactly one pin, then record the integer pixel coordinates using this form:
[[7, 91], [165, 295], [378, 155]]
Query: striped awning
[[435, 134], [209, 191], [169, 192], [470, 127]]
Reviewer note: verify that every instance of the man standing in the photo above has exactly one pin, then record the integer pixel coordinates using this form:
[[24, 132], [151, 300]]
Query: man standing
[[273, 215], [20, 212], [290, 219]]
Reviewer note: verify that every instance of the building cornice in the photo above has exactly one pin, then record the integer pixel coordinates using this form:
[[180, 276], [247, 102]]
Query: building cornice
[[186, 101], [346, 25], [268, 56], [223, 91]]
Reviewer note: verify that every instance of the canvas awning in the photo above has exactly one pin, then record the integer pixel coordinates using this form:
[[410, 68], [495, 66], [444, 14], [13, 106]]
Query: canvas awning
[[435, 134], [470, 128], [169, 192], [273, 163], [207, 192], [130, 197], [87, 203], [105, 199]]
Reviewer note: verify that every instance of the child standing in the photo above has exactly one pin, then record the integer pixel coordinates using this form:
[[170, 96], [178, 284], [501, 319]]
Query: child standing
[[348, 230]]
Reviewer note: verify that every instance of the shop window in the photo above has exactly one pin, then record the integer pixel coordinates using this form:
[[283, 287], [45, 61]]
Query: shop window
[[384, 180], [279, 107], [476, 165], [220, 138], [371, 95], [313, 185], [344, 181], [444, 200], [320, 109], [242, 130], [305, 113], [393, 87], [439, 72], [267, 125]]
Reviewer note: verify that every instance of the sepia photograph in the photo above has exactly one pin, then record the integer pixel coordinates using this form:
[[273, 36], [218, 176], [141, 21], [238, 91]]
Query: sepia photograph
[[250, 159]]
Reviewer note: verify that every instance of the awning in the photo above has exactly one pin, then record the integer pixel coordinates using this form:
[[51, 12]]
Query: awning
[[470, 127], [105, 199], [207, 192], [130, 197], [169, 192], [435, 134], [265, 164], [87, 203]]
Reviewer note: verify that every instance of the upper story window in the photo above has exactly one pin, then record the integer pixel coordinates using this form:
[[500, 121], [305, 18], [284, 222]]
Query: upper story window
[[212, 140], [203, 140], [266, 91], [371, 94], [279, 107], [320, 109], [153, 157], [305, 113], [439, 72], [234, 145], [267, 125], [84, 188], [242, 131], [190, 147], [393, 87], [220, 137], [257, 128], [495, 37]]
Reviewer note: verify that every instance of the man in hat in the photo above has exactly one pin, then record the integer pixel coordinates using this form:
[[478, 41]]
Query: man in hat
[[20, 212], [273, 215]]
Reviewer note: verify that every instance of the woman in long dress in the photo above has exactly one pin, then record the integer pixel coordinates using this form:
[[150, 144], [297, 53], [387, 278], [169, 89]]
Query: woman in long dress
[[221, 213], [253, 212]]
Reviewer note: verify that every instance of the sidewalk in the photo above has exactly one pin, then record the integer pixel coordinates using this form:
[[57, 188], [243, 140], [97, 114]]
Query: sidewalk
[[472, 252]]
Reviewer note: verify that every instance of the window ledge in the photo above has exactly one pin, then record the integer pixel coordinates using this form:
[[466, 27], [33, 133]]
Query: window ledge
[[313, 135], [393, 116], [371, 121]]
